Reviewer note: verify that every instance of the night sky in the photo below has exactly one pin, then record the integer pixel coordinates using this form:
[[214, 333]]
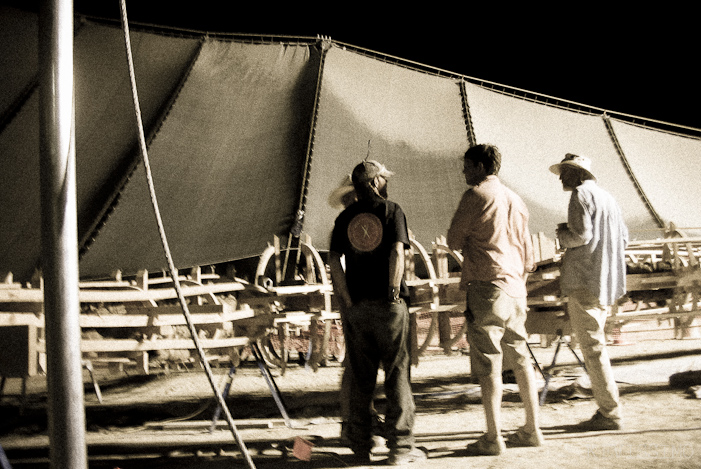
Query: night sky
[[640, 61]]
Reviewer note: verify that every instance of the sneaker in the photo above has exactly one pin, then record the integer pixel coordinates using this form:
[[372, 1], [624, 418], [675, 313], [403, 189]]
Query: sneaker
[[522, 438], [486, 447], [378, 444], [400, 458], [599, 423]]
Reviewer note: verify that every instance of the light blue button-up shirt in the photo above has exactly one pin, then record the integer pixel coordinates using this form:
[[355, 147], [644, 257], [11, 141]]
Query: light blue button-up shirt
[[596, 239]]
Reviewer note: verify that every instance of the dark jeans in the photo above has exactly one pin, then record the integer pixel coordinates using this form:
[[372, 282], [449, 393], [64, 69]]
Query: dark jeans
[[378, 332]]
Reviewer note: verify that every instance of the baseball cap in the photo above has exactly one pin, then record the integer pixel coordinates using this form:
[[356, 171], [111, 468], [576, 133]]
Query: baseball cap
[[368, 170]]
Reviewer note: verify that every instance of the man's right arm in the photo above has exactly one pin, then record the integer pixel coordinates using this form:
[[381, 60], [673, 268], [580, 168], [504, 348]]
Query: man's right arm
[[579, 226], [338, 277]]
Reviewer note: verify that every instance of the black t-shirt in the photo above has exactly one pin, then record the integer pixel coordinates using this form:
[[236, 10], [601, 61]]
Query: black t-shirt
[[365, 233]]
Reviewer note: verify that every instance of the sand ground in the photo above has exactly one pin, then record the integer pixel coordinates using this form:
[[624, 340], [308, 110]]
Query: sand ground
[[164, 420]]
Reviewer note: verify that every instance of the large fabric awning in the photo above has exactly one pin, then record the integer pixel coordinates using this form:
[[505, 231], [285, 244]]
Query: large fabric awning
[[244, 135]]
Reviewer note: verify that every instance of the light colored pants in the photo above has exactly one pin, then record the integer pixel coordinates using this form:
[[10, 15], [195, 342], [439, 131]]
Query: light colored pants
[[497, 330], [588, 318]]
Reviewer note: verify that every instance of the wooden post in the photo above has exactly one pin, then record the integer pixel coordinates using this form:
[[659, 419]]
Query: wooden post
[[310, 273], [440, 260], [278, 271]]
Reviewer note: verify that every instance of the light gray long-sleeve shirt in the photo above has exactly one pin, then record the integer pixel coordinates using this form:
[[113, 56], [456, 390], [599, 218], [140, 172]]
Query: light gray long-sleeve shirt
[[596, 239]]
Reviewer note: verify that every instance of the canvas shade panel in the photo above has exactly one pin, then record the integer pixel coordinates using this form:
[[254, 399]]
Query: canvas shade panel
[[106, 139], [533, 136], [18, 61], [19, 143], [20, 215], [227, 162], [415, 125], [667, 167], [105, 130]]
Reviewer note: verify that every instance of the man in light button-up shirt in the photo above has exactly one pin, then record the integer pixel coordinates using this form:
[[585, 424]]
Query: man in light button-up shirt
[[593, 277], [490, 226]]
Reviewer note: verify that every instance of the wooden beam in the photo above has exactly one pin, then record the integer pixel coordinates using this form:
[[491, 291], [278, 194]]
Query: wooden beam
[[133, 345], [124, 296], [140, 317]]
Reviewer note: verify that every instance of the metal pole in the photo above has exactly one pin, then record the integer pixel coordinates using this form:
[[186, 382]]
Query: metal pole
[[59, 236]]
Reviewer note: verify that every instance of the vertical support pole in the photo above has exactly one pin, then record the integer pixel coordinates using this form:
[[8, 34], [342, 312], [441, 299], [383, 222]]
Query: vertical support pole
[[440, 259], [278, 270], [59, 236]]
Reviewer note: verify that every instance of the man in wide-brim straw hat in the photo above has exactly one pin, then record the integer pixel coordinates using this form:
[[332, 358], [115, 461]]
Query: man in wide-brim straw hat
[[593, 277]]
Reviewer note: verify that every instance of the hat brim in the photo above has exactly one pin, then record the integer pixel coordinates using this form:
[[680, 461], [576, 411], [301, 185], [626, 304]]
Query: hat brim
[[557, 168], [335, 199]]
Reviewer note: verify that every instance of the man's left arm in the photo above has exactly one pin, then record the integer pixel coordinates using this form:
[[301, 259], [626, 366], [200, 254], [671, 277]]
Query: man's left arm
[[396, 255], [396, 269], [457, 231], [529, 265], [624, 232]]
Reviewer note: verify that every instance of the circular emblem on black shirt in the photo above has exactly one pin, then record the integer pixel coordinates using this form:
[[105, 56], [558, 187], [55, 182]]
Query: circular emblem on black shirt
[[365, 232]]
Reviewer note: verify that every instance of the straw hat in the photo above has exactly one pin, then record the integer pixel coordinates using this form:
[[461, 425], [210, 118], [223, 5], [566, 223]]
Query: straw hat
[[573, 161], [335, 199]]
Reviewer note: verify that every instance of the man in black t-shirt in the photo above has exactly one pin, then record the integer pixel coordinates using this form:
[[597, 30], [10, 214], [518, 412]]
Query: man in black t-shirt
[[370, 237]]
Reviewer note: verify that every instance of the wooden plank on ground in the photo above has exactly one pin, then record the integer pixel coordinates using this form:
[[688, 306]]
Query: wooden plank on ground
[[206, 424]]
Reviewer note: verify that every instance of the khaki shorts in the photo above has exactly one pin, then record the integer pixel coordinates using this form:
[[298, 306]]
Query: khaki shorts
[[497, 331]]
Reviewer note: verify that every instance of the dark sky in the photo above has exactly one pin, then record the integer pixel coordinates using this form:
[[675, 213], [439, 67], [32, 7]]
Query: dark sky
[[637, 61]]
